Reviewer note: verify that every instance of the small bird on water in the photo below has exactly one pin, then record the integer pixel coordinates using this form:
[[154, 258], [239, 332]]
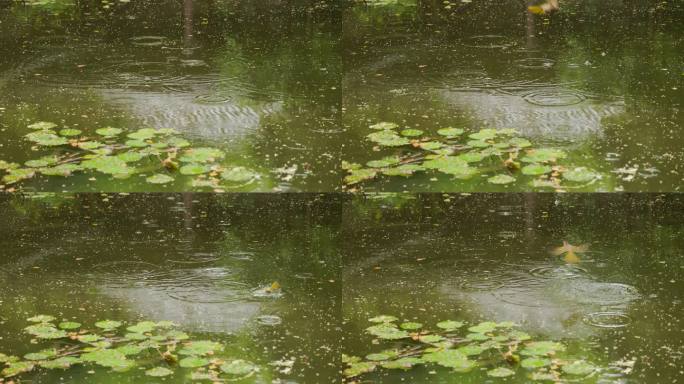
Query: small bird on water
[[570, 252]]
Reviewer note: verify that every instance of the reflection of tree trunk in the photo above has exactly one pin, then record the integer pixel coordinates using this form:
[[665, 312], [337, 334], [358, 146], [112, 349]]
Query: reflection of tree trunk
[[187, 23], [531, 37], [187, 211]]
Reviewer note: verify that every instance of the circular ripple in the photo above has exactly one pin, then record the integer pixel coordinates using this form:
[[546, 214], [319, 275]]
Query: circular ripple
[[535, 63], [270, 320], [588, 292], [554, 98], [203, 285], [489, 42], [125, 274], [213, 98], [147, 41], [607, 319], [559, 272], [197, 258]]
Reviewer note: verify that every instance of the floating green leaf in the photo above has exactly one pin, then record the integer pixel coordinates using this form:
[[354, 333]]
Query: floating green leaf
[[535, 169], [17, 368], [193, 362], [108, 325], [411, 325], [388, 139], [69, 132], [384, 126], [201, 348], [580, 175], [238, 367], [108, 131], [450, 132], [143, 134], [194, 169], [238, 175], [359, 175], [159, 178], [450, 325], [41, 319], [542, 348], [402, 363], [387, 331], [69, 325], [142, 327], [411, 132], [383, 319], [358, 368], [384, 162], [202, 155], [501, 179], [46, 138], [579, 367], [44, 125], [45, 331], [500, 372], [158, 372], [535, 362], [60, 363], [543, 155]]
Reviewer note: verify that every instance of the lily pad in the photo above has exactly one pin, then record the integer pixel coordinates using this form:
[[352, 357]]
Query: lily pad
[[194, 169], [17, 368], [484, 327], [384, 162], [579, 367], [238, 367], [193, 362], [159, 178], [158, 372], [410, 325], [411, 132], [536, 169], [484, 134], [430, 339], [108, 325], [70, 132], [450, 132], [45, 331], [130, 156], [388, 139], [60, 363], [201, 348], [431, 145], [107, 164], [46, 138], [501, 179], [402, 363], [500, 372], [384, 126], [238, 175], [580, 175], [378, 357], [107, 358], [143, 134], [69, 325], [43, 125], [535, 362], [542, 155], [359, 175], [41, 319], [451, 359], [449, 325], [358, 368], [142, 327], [403, 170], [202, 155], [387, 331], [542, 348], [108, 131], [383, 319]]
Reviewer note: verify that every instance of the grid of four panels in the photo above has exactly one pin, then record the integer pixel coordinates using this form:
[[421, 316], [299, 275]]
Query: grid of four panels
[[327, 191]]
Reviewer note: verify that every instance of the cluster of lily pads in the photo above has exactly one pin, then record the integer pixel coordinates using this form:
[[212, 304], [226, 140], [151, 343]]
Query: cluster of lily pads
[[497, 347], [157, 346], [159, 154], [501, 153]]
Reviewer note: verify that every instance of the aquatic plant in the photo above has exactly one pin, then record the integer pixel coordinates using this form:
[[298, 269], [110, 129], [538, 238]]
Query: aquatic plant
[[159, 347], [502, 153], [160, 154], [499, 348]]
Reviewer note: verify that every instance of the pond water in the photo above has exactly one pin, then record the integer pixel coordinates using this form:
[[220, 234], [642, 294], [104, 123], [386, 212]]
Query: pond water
[[288, 89], [203, 261], [428, 258], [259, 80], [601, 80]]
